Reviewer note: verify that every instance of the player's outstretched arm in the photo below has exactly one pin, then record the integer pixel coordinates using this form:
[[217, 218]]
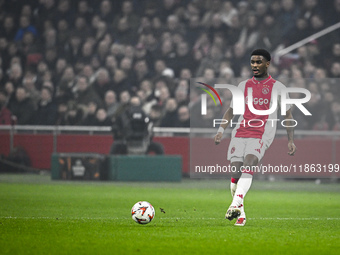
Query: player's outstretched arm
[[290, 133], [228, 115]]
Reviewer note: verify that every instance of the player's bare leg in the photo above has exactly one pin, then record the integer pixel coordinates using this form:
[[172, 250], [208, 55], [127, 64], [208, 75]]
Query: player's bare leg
[[243, 185]]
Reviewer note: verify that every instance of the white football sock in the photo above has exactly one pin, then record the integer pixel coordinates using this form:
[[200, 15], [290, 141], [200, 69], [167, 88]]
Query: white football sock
[[243, 186], [243, 214], [233, 187]]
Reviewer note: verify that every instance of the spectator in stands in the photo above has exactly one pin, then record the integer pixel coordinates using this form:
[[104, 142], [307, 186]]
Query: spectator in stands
[[250, 34], [86, 53], [129, 15], [102, 51], [181, 96], [2, 78], [31, 48], [170, 117], [3, 55], [124, 32], [91, 110], [211, 8], [42, 69], [14, 55], [102, 82], [51, 57], [72, 48], [22, 108], [28, 82], [163, 93], [203, 44], [299, 31], [234, 31], [59, 69], [147, 95], [120, 81], [161, 69], [124, 99], [334, 15], [63, 29], [269, 33], [73, 115], [84, 93], [217, 27], [111, 103], [126, 66], [183, 117], [8, 28], [46, 11], [209, 75], [10, 91], [25, 26], [333, 55], [183, 57], [84, 10], [156, 115], [308, 9], [50, 38], [228, 12], [141, 71], [105, 12], [64, 12], [88, 73], [335, 108], [261, 9], [194, 29], [102, 119], [335, 70], [66, 84], [212, 61], [5, 113], [111, 64], [239, 58], [185, 74], [47, 109], [15, 75], [287, 17]]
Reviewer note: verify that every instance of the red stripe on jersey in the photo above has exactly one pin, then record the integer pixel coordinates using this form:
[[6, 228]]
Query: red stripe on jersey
[[262, 91]]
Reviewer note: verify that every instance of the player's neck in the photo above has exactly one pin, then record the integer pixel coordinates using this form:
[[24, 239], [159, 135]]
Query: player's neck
[[265, 76]]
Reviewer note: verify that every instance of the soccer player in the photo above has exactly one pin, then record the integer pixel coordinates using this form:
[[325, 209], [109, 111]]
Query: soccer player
[[250, 140]]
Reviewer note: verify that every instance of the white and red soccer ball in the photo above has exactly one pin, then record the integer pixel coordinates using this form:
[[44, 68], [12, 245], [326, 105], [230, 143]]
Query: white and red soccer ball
[[142, 212]]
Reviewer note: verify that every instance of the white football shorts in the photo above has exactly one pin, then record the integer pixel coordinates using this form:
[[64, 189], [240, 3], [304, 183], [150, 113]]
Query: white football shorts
[[240, 147]]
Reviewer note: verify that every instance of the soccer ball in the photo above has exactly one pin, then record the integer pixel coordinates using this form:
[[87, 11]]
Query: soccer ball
[[142, 212]]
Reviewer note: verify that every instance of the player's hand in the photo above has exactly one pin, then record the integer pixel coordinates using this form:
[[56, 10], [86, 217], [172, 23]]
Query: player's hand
[[218, 138], [291, 149]]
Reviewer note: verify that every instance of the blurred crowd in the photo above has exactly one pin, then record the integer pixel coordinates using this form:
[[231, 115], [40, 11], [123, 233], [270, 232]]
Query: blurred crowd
[[79, 62]]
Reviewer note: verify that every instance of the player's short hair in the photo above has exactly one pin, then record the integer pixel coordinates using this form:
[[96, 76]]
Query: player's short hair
[[263, 53]]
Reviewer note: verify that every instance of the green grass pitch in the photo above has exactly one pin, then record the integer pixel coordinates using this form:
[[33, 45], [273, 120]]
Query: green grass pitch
[[40, 216]]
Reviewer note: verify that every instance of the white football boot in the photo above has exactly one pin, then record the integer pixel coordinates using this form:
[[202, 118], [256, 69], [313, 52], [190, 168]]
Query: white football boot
[[241, 220], [233, 212]]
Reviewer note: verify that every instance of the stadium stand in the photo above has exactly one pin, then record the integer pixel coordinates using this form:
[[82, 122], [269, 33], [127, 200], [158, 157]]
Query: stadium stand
[[149, 48]]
